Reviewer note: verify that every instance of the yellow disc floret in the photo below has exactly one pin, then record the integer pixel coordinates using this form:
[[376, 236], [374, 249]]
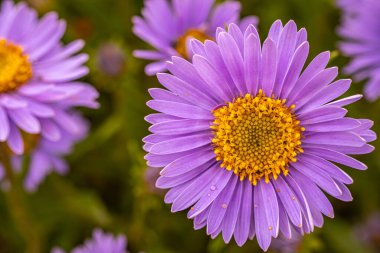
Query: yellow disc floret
[[15, 68], [181, 45], [256, 137]]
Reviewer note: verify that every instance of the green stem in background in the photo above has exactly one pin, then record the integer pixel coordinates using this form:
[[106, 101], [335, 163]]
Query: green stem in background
[[17, 205]]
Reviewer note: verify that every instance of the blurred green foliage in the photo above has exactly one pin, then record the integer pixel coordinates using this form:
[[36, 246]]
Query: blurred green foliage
[[108, 185]]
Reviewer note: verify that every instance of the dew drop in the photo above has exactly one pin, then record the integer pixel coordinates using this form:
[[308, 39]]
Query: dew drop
[[224, 206], [213, 188]]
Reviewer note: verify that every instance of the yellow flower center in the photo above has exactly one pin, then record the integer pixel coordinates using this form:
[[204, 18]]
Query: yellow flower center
[[15, 68], [256, 137], [181, 45]]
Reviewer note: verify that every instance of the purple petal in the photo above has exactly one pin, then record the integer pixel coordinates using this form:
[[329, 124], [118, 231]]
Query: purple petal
[[322, 114], [211, 194], [220, 205], [187, 163], [337, 157], [321, 178], [334, 171], [25, 121], [214, 80], [252, 58], [244, 219], [177, 127], [349, 139], [197, 188], [15, 142], [269, 66], [180, 144], [289, 201], [180, 110], [343, 124], [186, 91], [270, 203], [233, 60], [263, 233], [231, 216], [4, 125]]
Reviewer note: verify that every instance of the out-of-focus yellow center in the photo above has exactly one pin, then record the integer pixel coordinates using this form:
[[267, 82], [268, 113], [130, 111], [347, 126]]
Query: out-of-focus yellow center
[[181, 45], [15, 68], [256, 137]]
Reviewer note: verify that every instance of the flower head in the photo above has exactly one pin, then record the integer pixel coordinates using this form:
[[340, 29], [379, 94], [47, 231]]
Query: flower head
[[361, 39], [248, 138], [37, 75], [100, 243], [169, 26]]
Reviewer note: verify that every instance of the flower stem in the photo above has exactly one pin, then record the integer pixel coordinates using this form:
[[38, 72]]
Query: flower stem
[[18, 207]]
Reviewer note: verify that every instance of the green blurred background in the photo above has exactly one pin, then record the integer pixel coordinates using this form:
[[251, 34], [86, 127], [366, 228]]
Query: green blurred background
[[109, 185]]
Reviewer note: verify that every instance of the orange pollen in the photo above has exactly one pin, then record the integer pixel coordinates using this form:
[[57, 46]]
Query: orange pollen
[[15, 68], [256, 137], [181, 45]]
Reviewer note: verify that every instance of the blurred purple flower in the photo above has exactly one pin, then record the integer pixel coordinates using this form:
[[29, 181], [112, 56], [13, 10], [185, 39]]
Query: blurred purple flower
[[361, 41], [100, 243], [111, 59], [169, 26], [46, 155], [286, 245], [37, 76], [369, 231], [248, 136]]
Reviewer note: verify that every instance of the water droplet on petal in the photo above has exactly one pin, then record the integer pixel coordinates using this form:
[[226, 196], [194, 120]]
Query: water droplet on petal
[[224, 206], [213, 188]]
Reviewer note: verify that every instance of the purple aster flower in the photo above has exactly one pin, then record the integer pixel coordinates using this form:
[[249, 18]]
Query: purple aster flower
[[37, 75], [169, 26], [248, 138], [361, 41], [286, 245], [368, 231], [100, 243], [46, 155]]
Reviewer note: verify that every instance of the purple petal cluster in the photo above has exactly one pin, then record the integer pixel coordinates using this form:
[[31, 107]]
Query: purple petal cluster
[[42, 105], [47, 156], [100, 243], [236, 64], [165, 21], [359, 30]]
